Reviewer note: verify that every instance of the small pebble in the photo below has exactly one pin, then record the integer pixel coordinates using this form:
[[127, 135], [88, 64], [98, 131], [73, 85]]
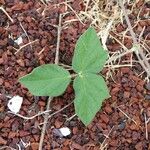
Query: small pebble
[[148, 86], [62, 132], [121, 126], [147, 97]]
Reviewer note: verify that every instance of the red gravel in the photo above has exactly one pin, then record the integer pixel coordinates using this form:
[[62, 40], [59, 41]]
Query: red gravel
[[121, 122]]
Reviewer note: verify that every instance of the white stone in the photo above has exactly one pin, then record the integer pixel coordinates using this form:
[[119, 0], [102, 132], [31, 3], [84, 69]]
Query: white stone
[[19, 40], [65, 131], [14, 104]]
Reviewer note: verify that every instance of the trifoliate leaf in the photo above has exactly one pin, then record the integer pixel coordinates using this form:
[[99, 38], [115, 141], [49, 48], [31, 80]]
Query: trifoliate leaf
[[47, 80]]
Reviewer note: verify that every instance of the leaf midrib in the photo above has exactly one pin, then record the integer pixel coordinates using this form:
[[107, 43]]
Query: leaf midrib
[[32, 80]]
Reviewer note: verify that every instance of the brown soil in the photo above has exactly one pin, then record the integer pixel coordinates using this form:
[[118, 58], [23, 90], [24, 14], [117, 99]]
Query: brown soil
[[120, 124]]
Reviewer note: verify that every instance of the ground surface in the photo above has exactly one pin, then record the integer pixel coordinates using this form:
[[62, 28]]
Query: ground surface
[[120, 124]]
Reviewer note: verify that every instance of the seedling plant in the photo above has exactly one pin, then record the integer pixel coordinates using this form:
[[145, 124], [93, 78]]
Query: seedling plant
[[90, 87]]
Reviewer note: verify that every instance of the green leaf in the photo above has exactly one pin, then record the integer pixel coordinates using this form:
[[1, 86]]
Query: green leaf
[[90, 91], [89, 55], [47, 80]]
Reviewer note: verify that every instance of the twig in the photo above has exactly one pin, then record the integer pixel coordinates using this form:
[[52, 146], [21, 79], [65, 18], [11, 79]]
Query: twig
[[51, 115], [139, 53], [17, 50], [1, 8], [43, 112], [32, 117], [127, 51], [56, 112], [7, 147], [86, 6], [45, 124], [46, 117], [103, 145], [43, 2], [41, 51], [141, 34], [78, 17], [70, 118], [118, 66], [127, 115], [146, 122], [25, 33]]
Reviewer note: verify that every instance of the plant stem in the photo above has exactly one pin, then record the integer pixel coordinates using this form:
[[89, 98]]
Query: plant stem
[[45, 124], [74, 75], [46, 117], [58, 40]]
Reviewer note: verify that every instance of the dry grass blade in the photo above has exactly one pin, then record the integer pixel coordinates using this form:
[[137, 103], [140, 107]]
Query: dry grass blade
[[1, 8], [25, 34], [103, 145], [146, 126], [23, 46], [127, 115], [139, 53], [104, 20], [32, 117], [104, 15]]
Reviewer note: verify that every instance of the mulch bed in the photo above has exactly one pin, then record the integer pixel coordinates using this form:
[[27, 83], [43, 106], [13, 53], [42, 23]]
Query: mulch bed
[[119, 125]]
